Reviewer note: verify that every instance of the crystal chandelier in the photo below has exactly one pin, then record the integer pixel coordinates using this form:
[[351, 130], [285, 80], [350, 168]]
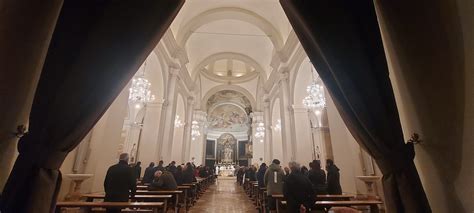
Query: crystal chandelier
[[140, 93], [260, 131], [195, 130], [315, 99], [277, 126], [177, 122]]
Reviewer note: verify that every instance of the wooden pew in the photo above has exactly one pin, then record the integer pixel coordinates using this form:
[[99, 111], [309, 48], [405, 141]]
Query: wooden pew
[[373, 204], [193, 192], [279, 199], [176, 194], [136, 198], [155, 206], [186, 190]]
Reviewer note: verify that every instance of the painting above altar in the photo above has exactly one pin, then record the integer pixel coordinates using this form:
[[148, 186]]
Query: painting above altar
[[228, 118]]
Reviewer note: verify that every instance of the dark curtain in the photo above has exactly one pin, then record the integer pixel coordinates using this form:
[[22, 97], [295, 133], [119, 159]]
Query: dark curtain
[[96, 48], [343, 41]]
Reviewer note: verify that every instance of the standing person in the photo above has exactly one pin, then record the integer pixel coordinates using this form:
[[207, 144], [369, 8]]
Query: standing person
[[287, 171], [304, 170], [298, 191], [172, 167], [149, 173], [334, 185], [260, 175], [317, 176], [120, 183], [273, 180], [159, 167], [137, 170]]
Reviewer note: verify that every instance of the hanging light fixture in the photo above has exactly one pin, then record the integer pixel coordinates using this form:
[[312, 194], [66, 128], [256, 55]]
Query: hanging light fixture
[[195, 130], [260, 131], [315, 99], [177, 122], [140, 92], [277, 126]]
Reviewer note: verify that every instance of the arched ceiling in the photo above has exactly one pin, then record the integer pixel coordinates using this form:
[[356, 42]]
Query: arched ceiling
[[228, 66], [229, 36], [256, 29], [269, 10]]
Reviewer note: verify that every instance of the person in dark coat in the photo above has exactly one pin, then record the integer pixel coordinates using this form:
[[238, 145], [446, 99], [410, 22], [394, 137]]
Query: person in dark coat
[[120, 183], [334, 185], [304, 170], [159, 167], [298, 191], [163, 181], [178, 175], [317, 176], [204, 172], [149, 173], [250, 173], [261, 175], [188, 174], [172, 167], [137, 170]]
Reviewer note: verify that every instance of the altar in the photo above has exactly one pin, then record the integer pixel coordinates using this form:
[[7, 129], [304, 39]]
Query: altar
[[225, 170]]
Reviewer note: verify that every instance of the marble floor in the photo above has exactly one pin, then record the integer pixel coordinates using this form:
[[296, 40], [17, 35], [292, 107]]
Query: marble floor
[[224, 196]]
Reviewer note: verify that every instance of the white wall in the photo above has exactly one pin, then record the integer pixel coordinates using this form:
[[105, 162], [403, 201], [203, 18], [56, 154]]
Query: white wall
[[105, 141], [345, 150]]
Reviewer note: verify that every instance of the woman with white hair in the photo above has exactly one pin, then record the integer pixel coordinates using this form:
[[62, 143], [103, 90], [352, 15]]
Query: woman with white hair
[[298, 190]]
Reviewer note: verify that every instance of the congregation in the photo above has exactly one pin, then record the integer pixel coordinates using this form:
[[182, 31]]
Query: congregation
[[121, 181], [298, 184]]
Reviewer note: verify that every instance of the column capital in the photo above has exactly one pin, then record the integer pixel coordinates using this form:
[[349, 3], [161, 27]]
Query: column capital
[[174, 70], [266, 104], [284, 75], [190, 100]]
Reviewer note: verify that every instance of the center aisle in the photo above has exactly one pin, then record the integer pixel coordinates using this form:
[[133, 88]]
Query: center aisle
[[224, 196]]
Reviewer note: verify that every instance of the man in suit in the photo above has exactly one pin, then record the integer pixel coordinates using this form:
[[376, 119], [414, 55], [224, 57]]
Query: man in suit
[[120, 182]]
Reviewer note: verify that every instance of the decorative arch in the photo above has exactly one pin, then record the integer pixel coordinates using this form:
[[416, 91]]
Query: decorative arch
[[233, 13], [219, 88], [230, 55]]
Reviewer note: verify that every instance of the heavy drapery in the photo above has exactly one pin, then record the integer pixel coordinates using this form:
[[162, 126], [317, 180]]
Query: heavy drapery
[[95, 50], [343, 41]]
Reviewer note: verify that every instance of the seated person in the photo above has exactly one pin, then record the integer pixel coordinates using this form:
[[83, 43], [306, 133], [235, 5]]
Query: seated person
[[178, 175], [164, 180], [188, 174], [298, 190]]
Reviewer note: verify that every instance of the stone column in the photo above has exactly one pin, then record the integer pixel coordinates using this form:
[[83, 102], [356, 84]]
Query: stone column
[[187, 130], [165, 138], [268, 130], [197, 146], [147, 149], [289, 145], [303, 135], [258, 143]]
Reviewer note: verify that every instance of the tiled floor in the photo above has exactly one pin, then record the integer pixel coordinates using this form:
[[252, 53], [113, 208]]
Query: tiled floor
[[225, 196]]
